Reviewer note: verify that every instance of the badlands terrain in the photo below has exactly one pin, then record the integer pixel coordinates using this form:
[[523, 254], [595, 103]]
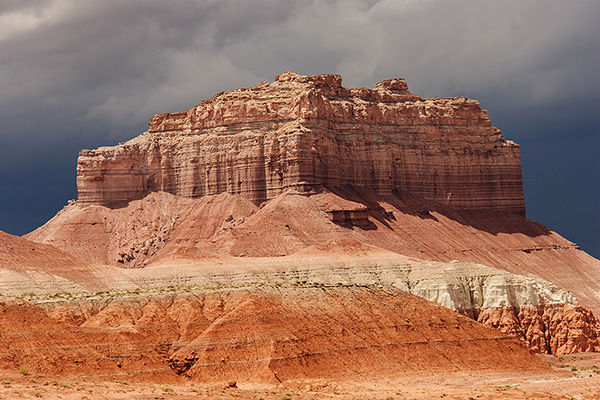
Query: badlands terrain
[[300, 239]]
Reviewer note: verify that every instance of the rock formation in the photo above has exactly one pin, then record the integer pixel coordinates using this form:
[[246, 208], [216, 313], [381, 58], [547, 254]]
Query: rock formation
[[544, 316], [302, 132], [163, 226], [292, 240], [253, 335], [551, 329], [302, 183]]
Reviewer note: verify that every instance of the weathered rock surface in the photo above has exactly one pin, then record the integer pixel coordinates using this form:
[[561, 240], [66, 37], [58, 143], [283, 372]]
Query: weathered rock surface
[[163, 226], [545, 317], [30, 267], [551, 329], [196, 250], [132, 236], [266, 335], [211, 234], [304, 131], [302, 183]]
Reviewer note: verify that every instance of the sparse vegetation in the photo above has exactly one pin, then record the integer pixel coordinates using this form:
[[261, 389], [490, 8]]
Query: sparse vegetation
[[168, 289], [27, 296], [504, 387], [24, 371]]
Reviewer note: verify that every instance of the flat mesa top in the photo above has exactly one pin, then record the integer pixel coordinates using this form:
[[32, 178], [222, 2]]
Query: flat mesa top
[[322, 97]]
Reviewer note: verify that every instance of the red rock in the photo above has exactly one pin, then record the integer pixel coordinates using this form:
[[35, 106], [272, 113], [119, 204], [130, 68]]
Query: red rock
[[161, 225], [304, 131], [254, 335], [548, 329], [282, 167]]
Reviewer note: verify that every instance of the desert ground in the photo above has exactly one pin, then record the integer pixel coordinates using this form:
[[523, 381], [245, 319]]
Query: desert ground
[[574, 376]]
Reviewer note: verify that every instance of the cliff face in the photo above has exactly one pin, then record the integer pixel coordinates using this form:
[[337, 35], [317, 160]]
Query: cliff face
[[551, 328], [301, 132]]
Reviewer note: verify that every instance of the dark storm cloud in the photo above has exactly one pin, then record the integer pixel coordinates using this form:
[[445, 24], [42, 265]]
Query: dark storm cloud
[[120, 60], [77, 74], [123, 61]]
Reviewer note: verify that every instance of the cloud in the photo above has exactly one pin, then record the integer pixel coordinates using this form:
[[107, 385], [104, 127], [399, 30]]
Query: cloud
[[121, 61]]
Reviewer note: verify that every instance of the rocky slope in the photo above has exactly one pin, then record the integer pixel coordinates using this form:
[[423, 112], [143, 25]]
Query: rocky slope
[[30, 267], [265, 335], [291, 240], [163, 226], [303, 131]]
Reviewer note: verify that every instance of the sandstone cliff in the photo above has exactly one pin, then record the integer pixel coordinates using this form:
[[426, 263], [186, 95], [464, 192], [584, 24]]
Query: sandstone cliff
[[303, 131]]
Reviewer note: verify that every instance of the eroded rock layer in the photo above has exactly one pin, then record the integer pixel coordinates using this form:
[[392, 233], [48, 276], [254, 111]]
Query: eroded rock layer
[[300, 132], [353, 237], [256, 335], [551, 329], [162, 227]]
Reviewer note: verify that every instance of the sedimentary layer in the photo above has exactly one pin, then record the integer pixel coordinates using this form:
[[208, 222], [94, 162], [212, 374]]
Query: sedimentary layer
[[260, 335], [302, 182], [30, 267], [297, 239], [163, 226], [551, 328], [303, 131]]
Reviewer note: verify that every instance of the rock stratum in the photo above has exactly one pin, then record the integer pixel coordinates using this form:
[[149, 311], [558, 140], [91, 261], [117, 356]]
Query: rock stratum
[[491, 267], [259, 335], [302, 132], [298, 230]]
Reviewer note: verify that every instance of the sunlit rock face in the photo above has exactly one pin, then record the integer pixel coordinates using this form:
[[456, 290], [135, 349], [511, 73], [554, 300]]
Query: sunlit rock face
[[301, 132], [545, 317]]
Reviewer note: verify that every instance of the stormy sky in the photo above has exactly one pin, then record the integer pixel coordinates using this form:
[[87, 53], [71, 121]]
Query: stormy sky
[[81, 74]]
